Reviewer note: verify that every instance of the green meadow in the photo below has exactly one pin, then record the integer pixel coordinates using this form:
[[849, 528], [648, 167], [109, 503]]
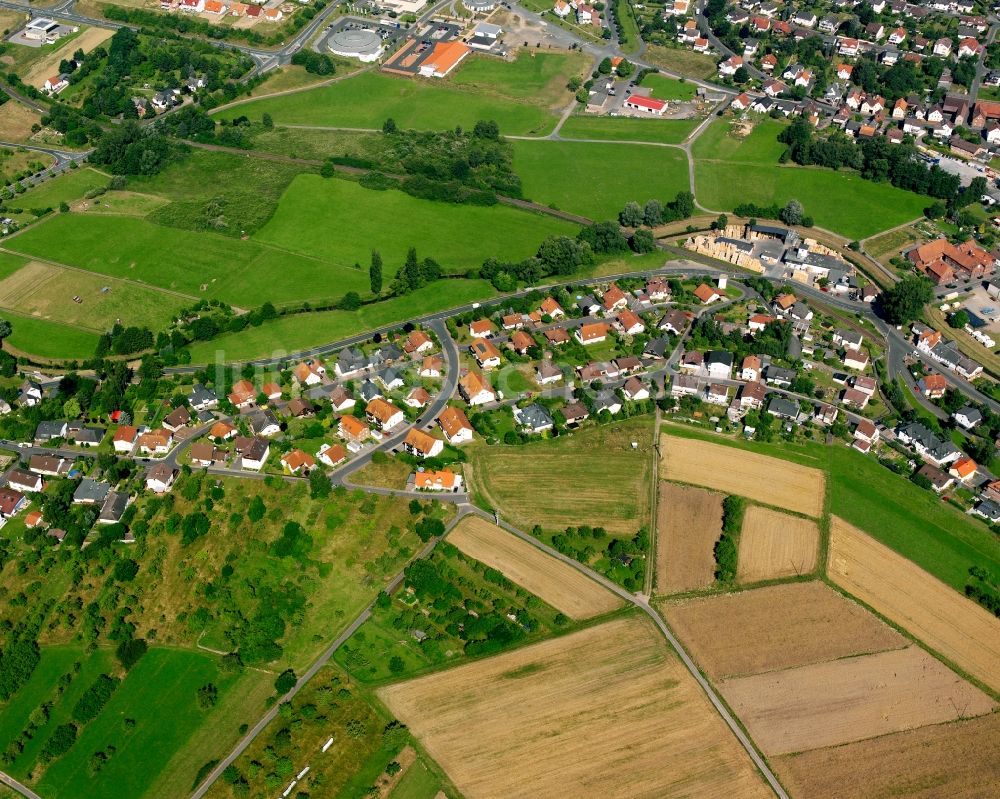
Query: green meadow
[[667, 88], [625, 129], [300, 331], [731, 170], [367, 100], [596, 180], [357, 220], [534, 76], [49, 339]]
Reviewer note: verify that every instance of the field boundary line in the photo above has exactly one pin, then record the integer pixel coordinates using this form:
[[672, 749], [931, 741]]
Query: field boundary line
[[640, 602]]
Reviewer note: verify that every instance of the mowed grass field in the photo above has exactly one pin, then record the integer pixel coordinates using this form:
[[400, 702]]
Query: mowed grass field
[[730, 171], [537, 77], [50, 339], [961, 630], [663, 131], [757, 477], [664, 87], [781, 627], [591, 477], [826, 704], [774, 544], [915, 523], [560, 718], [689, 522], [368, 99], [556, 583], [596, 180], [456, 236], [47, 292]]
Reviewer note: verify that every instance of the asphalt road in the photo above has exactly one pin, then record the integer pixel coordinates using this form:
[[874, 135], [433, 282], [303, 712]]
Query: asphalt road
[[21, 788]]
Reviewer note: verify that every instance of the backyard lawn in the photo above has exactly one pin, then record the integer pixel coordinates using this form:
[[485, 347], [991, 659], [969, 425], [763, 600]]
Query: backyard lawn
[[596, 180]]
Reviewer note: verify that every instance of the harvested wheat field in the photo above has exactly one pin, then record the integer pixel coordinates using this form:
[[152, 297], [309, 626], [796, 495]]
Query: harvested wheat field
[[956, 627], [832, 703], [605, 712], [736, 471], [777, 627], [958, 760], [774, 544], [551, 580], [689, 522], [86, 41]]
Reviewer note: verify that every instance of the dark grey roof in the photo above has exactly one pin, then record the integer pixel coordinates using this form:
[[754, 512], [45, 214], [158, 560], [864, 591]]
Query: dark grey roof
[[351, 359], [723, 357], [89, 435], [369, 391], [261, 419], [657, 347], [114, 506], [970, 413], [91, 491], [606, 398], [785, 408], [534, 417], [50, 429], [201, 396]]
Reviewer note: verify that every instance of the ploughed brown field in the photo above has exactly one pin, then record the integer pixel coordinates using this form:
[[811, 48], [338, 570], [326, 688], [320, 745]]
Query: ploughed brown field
[[689, 522], [777, 627], [956, 627], [846, 700], [551, 580], [735, 471], [608, 712], [957, 760], [774, 544]]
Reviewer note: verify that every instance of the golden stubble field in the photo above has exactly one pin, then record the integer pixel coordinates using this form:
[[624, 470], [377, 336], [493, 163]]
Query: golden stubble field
[[774, 544], [957, 760], [777, 627], [946, 621], [736, 471], [689, 522], [605, 712], [549, 579], [851, 699]]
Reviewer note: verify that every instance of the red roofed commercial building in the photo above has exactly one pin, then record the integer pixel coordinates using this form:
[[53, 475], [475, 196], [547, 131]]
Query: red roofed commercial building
[[648, 105], [443, 59]]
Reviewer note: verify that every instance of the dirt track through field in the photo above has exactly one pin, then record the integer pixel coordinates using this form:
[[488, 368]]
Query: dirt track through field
[[560, 585], [780, 627], [851, 699], [605, 712], [774, 544], [946, 621], [960, 760], [736, 471], [689, 522]]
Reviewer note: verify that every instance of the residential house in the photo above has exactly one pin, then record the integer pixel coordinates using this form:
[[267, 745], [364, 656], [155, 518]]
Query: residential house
[[964, 469], [940, 480], [534, 418], [635, 390], [341, 399], [49, 430], [222, 431], [719, 363], [417, 342], [243, 394], [926, 444], [431, 366], [751, 396], [967, 417], [50, 465], [299, 408], [684, 386], [594, 333], [779, 376], [176, 419], [309, 373], [674, 321], [481, 328], [25, 482], [296, 461], [855, 359], [443, 480], [783, 408], [707, 294], [556, 336], [155, 442], [201, 398], [384, 414], [349, 361], [353, 431], [717, 394], [607, 400], [551, 308], [91, 492], [160, 478], [455, 425], [614, 299], [253, 452], [417, 398], [932, 386], [203, 453], [390, 379], [263, 423], [751, 368], [331, 454], [547, 373], [124, 438], [629, 323], [272, 391], [485, 353], [520, 342], [114, 507], [11, 502]]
